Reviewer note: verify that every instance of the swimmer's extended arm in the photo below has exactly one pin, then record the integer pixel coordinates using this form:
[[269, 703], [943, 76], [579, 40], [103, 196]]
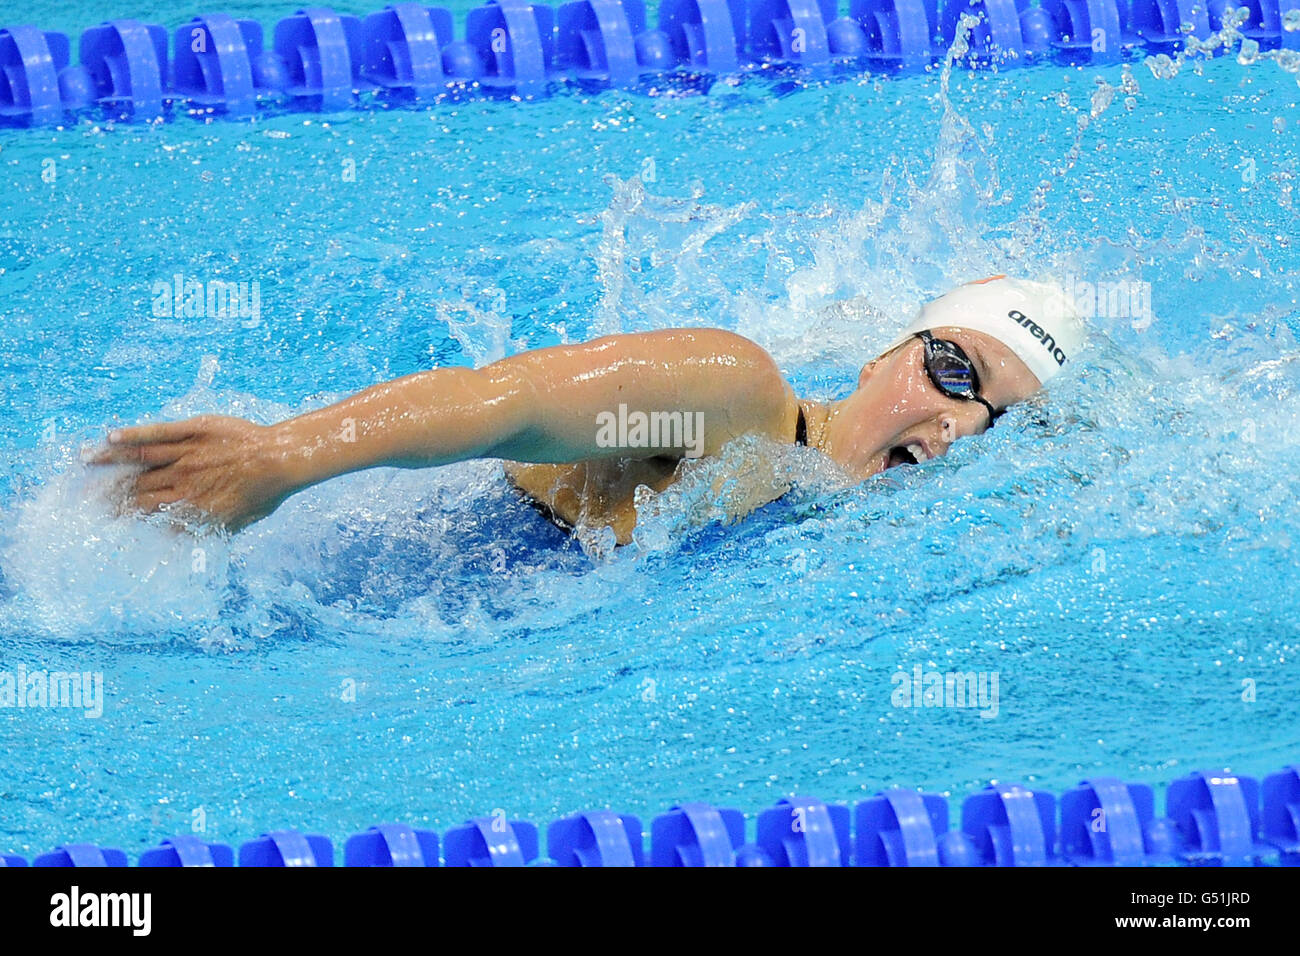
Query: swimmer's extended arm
[[538, 406]]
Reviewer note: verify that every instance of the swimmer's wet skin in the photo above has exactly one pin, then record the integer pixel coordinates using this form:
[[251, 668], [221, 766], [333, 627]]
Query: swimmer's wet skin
[[964, 358]]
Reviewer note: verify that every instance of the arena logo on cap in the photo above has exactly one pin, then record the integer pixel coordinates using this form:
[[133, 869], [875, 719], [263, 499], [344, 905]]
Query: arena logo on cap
[[1038, 332]]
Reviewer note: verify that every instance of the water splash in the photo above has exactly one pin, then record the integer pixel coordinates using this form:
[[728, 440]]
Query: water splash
[[1198, 51]]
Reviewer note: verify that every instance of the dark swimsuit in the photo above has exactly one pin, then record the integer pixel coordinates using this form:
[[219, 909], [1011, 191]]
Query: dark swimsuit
[[800, 438]]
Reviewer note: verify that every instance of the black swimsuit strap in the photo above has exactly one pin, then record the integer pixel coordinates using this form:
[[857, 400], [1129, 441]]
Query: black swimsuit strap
[[801, 430]]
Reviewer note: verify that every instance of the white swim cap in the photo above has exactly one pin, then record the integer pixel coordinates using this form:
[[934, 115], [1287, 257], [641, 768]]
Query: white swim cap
[[1033, 319]]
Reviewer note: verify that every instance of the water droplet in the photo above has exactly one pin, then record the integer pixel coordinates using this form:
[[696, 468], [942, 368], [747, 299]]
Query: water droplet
[[1102, 97], [1162, 68]]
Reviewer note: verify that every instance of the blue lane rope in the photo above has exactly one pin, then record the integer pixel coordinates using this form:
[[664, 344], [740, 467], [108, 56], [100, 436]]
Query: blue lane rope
[[318, 59], [1212, 818]]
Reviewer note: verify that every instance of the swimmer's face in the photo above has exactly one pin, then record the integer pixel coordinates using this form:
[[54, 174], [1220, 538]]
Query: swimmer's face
[[898, 413]]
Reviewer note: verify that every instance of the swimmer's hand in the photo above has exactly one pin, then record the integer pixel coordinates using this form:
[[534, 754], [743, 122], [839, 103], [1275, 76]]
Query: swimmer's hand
[[213, 468]]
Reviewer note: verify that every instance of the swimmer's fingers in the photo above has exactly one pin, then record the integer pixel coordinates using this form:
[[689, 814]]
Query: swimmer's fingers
[[132, 500], [150, 494], [159, 479], [180, 511], [162, 432], [149, 455]]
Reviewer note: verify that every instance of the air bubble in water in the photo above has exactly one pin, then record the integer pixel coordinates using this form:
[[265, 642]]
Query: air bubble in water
[[1248, 53], [1289, 60], [1291, 20], [1279, 124]]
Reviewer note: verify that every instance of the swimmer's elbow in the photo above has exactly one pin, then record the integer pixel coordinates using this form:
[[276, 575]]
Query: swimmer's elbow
[[515, 413], [545, 406]]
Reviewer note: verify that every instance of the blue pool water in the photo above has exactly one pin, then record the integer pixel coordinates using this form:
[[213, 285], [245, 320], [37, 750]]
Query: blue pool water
[[422, 646]]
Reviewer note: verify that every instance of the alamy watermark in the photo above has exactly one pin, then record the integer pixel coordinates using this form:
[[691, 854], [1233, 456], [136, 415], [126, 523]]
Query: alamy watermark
[[81, 690], [184, 297], [624, 429], [1118, 299], [90, 909], [959, 689]]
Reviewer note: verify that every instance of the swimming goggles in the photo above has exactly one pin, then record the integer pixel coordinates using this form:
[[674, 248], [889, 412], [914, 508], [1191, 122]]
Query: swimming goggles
[[953, 372]]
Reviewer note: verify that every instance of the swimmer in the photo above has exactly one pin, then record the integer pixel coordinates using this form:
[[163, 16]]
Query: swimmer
[[580, 427]]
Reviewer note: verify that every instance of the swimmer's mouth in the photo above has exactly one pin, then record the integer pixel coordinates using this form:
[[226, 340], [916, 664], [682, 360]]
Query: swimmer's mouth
[[910, 454]]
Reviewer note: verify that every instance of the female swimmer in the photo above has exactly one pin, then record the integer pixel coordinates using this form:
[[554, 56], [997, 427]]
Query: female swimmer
[[580, 427]]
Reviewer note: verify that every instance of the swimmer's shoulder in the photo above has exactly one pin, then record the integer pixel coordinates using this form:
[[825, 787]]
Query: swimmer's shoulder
[[687, 343], [742, 373], [769, 400], [731, 380], [706, 340]]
